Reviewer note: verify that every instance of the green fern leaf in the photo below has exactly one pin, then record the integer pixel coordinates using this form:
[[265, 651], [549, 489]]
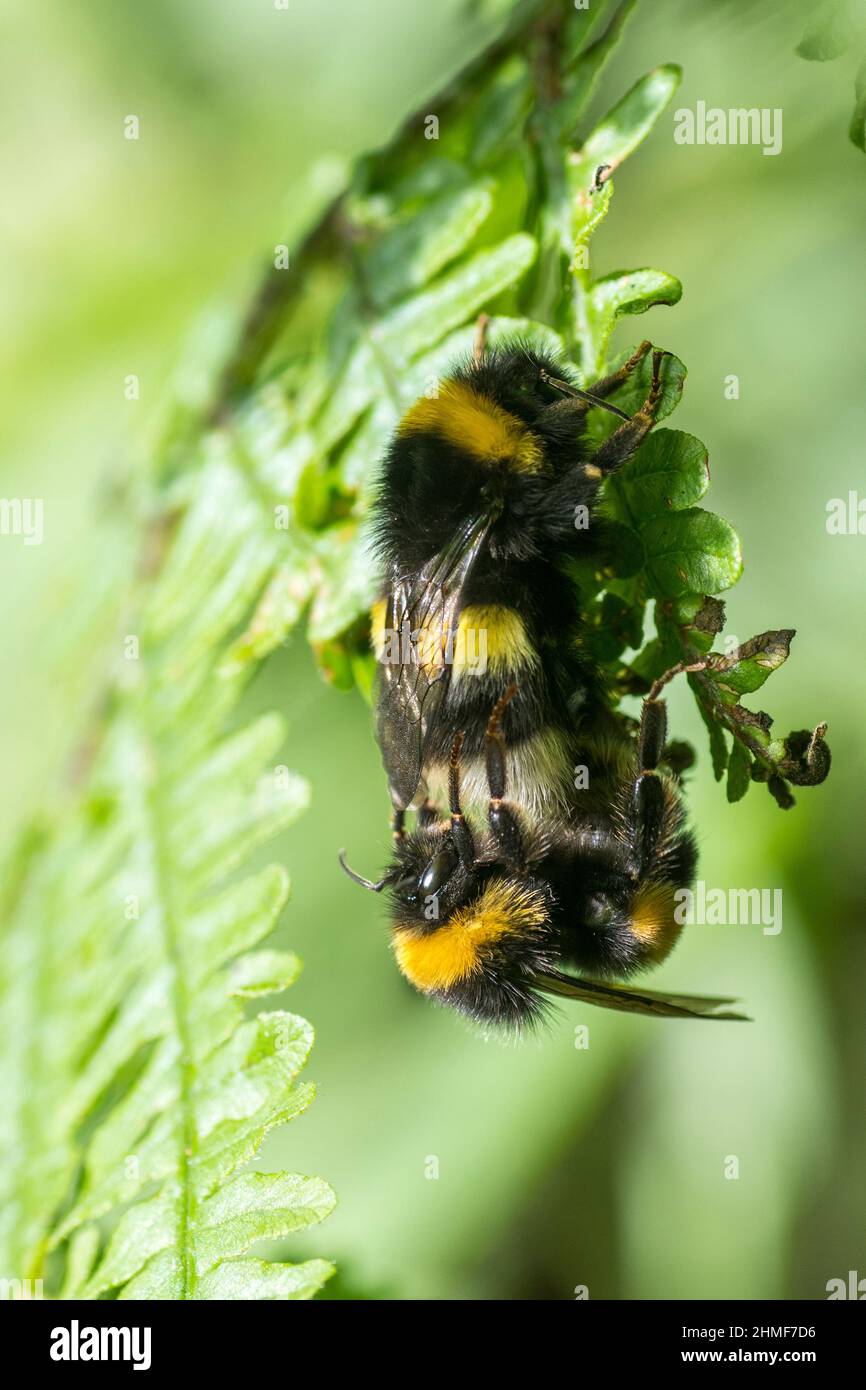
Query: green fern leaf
[[154, 1086], [138, 1081]]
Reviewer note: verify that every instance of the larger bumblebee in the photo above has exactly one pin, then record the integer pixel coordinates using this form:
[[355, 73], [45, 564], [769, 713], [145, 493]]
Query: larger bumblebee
[[486, 921], [476, 522]]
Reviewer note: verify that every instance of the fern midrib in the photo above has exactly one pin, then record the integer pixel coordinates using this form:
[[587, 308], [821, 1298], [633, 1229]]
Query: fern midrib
[[30, 1110], [169, 914]]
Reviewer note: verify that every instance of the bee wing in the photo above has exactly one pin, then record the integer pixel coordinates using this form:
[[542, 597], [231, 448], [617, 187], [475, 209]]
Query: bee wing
[[632, 1001], [411, 691]]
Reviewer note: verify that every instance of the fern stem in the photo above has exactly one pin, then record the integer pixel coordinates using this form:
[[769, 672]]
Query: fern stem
[[272, 300], [169, 916]]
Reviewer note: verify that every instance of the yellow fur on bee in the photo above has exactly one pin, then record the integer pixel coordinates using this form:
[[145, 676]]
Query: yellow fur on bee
[[491, 637], [471, 421], [378, 616], [439, 958], [652, 918]]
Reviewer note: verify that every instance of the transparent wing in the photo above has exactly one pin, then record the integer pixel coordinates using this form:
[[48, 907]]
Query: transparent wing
[[422, 613], [632, 1001]]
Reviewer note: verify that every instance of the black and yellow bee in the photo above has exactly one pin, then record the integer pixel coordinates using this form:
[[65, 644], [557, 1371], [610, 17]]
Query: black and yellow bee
[[476, 526], [486, 921], [487, 493]]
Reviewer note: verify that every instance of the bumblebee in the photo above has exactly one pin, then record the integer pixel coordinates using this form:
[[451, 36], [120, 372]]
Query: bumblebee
[[485, 922], [475, 523]]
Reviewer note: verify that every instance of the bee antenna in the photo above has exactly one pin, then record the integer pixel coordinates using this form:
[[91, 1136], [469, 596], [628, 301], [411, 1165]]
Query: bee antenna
[[359, 878], [577, 393]]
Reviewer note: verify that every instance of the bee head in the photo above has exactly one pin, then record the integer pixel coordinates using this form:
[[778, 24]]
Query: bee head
[[518, 380], [472, 938]]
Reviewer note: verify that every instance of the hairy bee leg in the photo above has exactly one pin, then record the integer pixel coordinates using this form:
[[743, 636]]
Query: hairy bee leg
[[460, 832], [648, 805], [494, 746], [606, 384], [652, 734], [398, 824], [504, 824], [623, 443], [648, 799]]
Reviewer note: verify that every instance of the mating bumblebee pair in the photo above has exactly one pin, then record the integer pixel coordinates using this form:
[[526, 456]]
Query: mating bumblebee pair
[[487, 703]]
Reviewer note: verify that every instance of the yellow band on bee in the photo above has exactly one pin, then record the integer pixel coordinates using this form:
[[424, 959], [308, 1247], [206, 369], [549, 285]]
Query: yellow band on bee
[[491, 637], [487, 637], [472, 421], [378, 618], [439, 958], [652, 919]]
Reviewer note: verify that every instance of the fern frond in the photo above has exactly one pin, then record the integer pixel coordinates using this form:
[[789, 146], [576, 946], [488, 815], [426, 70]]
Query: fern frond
[[138, 1074], [136, 1081]]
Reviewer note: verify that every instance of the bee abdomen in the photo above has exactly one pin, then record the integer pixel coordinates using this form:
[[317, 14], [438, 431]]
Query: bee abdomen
[[492, 638]]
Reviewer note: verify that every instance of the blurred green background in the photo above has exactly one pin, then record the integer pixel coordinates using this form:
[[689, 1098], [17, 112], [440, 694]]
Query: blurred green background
[[557, 1167]]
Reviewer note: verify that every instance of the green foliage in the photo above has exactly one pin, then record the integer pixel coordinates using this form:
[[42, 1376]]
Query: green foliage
[[136, 1083], [139, 1080], [834, 27], [496, 215]]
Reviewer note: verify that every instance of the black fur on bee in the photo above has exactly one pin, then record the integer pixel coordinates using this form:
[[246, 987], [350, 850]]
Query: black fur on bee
[[553, 891], [475, 526], [494, 921]]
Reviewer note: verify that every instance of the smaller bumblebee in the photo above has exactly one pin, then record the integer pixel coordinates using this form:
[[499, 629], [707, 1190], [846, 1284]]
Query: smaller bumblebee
[[492, 923]]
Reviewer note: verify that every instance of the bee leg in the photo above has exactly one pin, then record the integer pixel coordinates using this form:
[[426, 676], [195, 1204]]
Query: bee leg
[[624, 442], [661, 847], [398, 822], [428, 814], [649, 804], [504, 823], [650, 811], [606, 384], [460, 832]]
